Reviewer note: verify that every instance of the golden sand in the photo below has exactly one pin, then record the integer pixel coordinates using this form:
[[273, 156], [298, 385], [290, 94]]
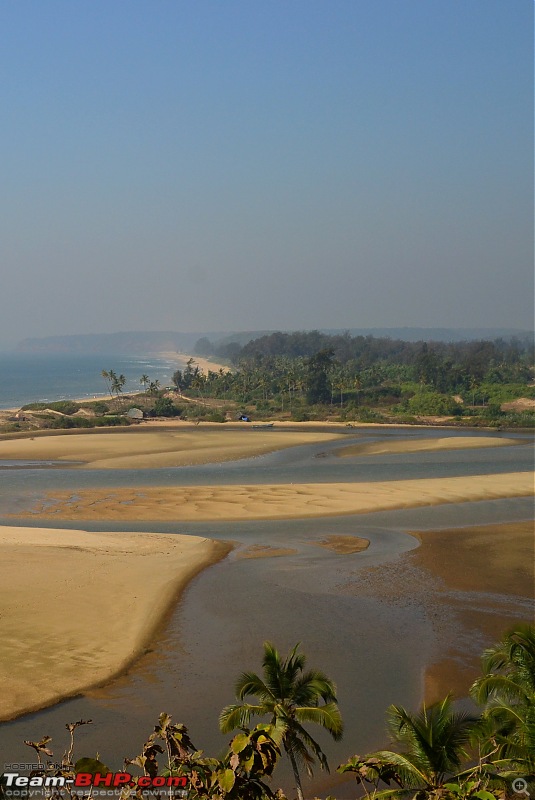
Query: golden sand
[[275, 501], [425, 445], [79, 607], [171, 446], [204, 364]]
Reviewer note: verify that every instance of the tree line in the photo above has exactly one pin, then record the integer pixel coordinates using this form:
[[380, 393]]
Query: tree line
[[284, 372], [446, 365]]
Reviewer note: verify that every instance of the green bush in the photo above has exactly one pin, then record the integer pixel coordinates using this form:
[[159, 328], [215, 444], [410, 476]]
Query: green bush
[[526, 419], [298, 415], [404, 418], [216, 416], [63, 406], [109, 420], [164, 407], [100, 407], [86, 422], [431, 403], [369, 415]]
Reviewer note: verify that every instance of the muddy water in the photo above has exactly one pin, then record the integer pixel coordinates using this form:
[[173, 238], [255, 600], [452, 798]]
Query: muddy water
[[375, 649]]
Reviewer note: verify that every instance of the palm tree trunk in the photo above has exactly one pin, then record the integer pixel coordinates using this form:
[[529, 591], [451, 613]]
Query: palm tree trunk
[[296, 774]]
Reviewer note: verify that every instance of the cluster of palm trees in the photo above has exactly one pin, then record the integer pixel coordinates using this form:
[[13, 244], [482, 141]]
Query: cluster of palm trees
[[449, 754], [150, 387], [280, 379], [443, 753], [114, 382]]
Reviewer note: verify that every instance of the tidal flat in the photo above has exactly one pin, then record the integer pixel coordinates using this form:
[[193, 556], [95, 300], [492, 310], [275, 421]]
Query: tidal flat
[[384, 622]]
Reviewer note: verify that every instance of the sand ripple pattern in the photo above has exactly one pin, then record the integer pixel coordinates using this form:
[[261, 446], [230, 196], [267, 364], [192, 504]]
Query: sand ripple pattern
[[274, 501]]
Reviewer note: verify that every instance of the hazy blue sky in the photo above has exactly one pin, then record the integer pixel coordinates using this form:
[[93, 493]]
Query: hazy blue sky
[[245, 164]]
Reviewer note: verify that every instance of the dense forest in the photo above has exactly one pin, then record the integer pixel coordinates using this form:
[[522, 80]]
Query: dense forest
[[310, 373]]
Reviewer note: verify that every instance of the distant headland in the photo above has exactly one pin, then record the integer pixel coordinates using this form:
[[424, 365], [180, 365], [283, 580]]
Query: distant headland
[[159, 341]]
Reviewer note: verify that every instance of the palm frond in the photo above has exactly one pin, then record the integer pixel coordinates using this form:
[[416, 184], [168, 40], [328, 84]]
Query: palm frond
[[298, 732], [491, 686], [514, 655], [249, 683], [436, 737], [297, 748], [328, 716], [312, 685], [409, 774], [238, 716]]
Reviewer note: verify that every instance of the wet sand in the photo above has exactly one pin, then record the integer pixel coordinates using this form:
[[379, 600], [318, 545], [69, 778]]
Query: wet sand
[[345, 545], [426, 445], [265, 551], [472, 583], [78, 607], [169, 446], [494, 566], [274, 501]]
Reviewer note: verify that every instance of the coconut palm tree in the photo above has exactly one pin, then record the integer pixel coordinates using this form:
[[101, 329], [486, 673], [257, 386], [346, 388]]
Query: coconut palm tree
[[507, 689], [144, 381], [290, 697], [118, 382], [434, 741], [109, 376]]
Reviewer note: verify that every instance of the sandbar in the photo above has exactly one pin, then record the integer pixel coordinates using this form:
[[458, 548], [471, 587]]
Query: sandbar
[[426, 445], [163, 447], [265, 551], [79, 607], [344, 545], [274, 501]]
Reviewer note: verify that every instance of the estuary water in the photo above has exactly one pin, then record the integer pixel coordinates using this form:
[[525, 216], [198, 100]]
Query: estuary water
[[374, 646]]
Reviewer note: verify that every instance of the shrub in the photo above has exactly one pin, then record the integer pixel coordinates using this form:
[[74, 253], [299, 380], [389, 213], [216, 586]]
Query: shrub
[[404, 418], [216, 416], [63, 406], [369, 415], [164, 407], [86, 422], [431, 403], [100, 407]]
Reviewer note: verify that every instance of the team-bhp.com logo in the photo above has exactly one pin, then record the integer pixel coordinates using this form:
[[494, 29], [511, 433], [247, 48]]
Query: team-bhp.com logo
[[86, 780]]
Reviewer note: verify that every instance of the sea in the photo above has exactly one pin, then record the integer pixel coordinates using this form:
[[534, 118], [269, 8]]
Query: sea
[[45, 377]]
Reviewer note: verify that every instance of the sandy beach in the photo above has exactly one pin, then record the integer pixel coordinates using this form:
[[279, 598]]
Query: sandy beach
[[79, 607], [164, 446], [275, 501], [204, 364]]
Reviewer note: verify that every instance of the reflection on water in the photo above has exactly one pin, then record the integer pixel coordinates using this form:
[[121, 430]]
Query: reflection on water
[[373, 648]]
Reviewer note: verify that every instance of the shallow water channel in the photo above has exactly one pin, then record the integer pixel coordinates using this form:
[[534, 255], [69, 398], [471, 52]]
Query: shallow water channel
[[375, 649]]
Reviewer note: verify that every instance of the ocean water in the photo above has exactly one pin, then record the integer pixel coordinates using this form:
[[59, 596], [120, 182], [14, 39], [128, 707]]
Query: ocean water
[[35, 377]]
